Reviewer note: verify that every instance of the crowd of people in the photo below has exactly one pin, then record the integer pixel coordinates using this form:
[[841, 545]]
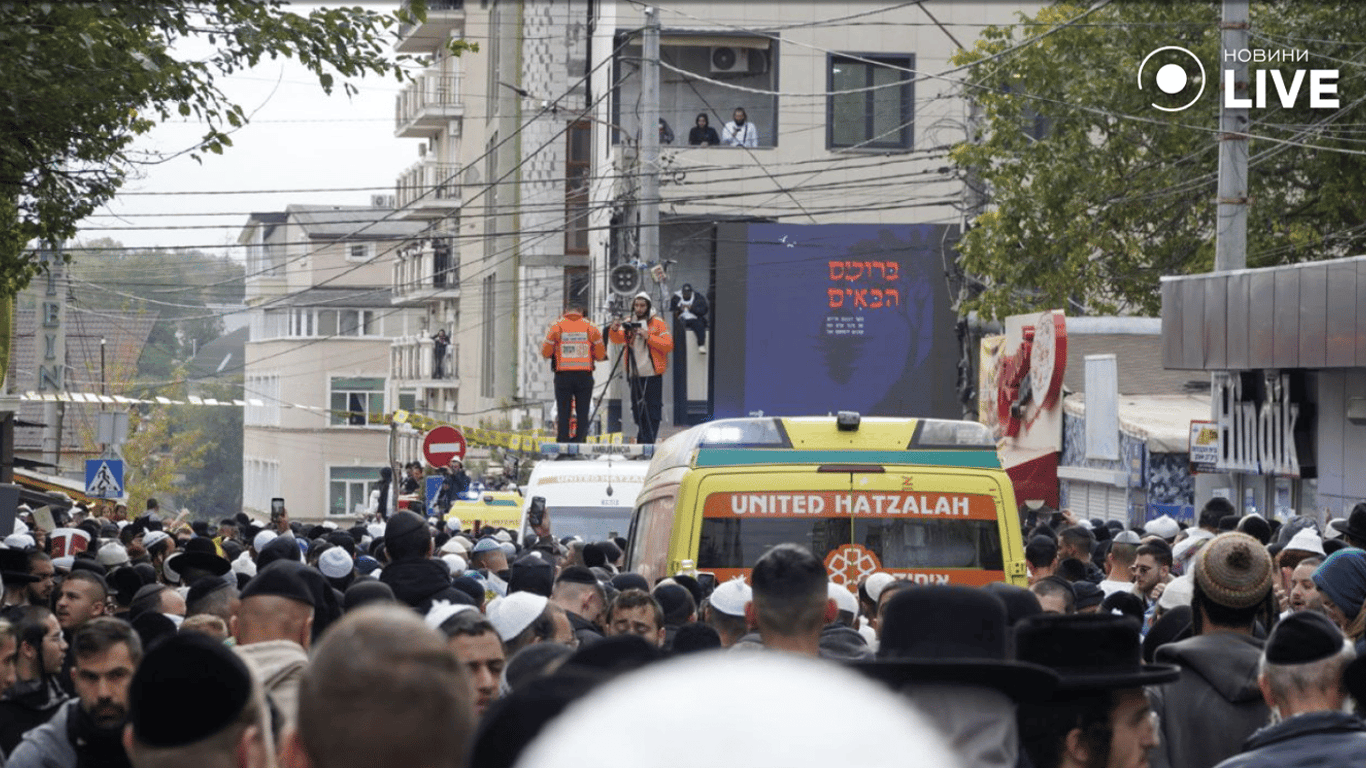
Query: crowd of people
[[416, 642]]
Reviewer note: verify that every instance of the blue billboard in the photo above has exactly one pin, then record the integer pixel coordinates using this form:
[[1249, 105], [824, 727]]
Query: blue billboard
[[811, 319]]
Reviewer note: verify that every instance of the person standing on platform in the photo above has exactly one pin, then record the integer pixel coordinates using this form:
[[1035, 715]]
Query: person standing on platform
[[573, 345]]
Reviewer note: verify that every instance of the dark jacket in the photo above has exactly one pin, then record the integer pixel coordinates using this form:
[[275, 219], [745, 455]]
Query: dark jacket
[[26, 706], [1209, 712], [699, 134], [840, 643], [1316, 739], [584, 630], [418, 583]]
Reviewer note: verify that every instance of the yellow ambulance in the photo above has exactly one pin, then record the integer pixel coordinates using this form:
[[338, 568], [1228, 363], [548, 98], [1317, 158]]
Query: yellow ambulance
[[925, 499], [496, 509]]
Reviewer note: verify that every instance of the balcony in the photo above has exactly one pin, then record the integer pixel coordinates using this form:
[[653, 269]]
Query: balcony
[[414, 364], [428, 190], [427, 271], [444, 17], [427, 105]]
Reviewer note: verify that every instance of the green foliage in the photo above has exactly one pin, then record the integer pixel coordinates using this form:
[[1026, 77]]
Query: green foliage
[[1093, 194], [83, 79]]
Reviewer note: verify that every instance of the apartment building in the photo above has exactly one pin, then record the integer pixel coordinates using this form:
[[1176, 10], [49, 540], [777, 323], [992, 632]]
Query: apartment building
[[528, 189], [493, 261], [317, 363]]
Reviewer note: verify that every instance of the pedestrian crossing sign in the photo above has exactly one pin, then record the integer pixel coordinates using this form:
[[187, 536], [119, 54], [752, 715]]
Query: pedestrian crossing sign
[[104, 478]]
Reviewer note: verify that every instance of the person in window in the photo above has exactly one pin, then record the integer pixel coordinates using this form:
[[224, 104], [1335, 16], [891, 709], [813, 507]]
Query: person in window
[[666, 132], [440, 343], [702, 134], [740, 132]]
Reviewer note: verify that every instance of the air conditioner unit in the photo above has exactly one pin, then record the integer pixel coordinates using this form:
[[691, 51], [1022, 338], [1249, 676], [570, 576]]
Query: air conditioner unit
[[725, 59], [382, 201]]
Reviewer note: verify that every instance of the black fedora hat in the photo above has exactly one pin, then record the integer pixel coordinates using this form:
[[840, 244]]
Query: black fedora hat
[[14, 567], [201, 553], [1355, 524], [1089, 652], [953, 634]]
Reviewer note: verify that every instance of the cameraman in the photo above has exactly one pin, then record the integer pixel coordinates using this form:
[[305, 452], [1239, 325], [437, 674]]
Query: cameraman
[[648, 345], [573, 345]]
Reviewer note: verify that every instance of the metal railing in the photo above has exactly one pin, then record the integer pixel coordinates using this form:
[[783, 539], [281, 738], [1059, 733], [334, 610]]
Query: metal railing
[[426, 183], [435, 265], [424, 93]]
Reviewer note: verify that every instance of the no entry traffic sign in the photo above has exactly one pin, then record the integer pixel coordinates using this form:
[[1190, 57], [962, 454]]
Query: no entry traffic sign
[[443, 444]]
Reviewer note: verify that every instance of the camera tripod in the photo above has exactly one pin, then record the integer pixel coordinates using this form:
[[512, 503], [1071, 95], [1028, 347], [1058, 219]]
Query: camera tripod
[[637, 398]]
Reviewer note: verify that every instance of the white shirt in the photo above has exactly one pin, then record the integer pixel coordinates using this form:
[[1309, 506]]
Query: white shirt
[[740, 135]]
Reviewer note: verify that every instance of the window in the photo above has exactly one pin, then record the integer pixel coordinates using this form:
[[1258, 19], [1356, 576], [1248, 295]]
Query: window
[[262, 480], [357, 401], [348, 489], [309, 322], [578, 162], [577, 281], [879, 117], [265, 390], [359, 251]]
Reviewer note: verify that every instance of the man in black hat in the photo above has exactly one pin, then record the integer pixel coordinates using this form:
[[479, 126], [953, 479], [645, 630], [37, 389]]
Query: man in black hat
[[1353, 529], [223, 729], [200, 558], [1099, 714], [1301, 678], [88, 731], [384, 691], [416, 579], [583, 599], [14, 569], [275, 628], [947, 649]]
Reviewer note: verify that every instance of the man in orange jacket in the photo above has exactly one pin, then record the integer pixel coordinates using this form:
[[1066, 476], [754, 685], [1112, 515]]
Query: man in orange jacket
[[647, 357], [573, 345]]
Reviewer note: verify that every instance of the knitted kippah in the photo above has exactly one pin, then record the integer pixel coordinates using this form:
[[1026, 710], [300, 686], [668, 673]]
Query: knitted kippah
[[1234, 570]]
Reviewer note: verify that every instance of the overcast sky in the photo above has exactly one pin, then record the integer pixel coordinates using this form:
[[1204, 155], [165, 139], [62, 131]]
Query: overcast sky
[[298, 139]]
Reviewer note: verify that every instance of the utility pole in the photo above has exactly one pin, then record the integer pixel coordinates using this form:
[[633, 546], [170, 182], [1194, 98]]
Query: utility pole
[[1230, 236], [647, 160], [649, 141]]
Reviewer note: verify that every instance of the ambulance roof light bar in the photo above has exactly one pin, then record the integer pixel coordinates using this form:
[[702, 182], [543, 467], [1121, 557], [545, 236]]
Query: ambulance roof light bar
[[847, 421], [631, 450]]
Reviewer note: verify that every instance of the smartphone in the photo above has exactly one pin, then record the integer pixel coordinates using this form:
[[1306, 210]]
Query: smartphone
[[277, 507], [535, 515]]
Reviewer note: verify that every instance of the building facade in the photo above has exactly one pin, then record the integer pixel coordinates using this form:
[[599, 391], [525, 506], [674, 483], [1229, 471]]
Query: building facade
[[527, 183], [492, 262], [318, 360]]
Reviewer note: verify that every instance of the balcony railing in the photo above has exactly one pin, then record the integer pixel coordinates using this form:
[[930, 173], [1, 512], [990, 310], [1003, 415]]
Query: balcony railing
[[414, 360], [426, 105], [428, 189], [429, 270]]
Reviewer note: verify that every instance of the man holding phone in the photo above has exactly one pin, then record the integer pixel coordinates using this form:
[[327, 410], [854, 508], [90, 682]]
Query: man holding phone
[[278, 516]]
